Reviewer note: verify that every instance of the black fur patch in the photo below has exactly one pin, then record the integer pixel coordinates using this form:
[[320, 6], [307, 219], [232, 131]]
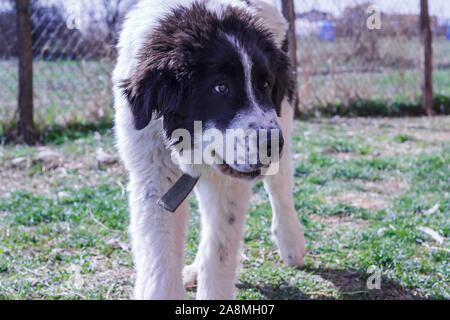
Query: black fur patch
[[231, 219]]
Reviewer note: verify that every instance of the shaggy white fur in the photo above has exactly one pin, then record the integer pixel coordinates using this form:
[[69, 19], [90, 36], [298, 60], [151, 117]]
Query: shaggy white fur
[[158, 236]]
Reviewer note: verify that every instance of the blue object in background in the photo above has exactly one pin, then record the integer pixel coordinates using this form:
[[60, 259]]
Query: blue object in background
[[447, 33], [327, 31]]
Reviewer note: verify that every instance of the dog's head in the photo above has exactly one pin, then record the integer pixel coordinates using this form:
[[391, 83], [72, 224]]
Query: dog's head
[[224, 71]]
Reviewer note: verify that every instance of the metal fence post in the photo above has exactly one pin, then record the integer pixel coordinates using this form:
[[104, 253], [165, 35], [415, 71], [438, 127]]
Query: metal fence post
[[289, 14], [427, 86], [25, 43]]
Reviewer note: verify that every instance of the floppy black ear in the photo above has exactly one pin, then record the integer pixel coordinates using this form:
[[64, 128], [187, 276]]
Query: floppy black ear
[[284, 82], [157, 93]]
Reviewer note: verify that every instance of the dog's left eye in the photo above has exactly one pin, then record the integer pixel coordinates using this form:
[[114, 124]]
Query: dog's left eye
[[221, 88], [266, 85]]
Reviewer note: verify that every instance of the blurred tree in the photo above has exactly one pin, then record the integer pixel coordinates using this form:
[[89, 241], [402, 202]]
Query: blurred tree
[[8, 34], [113, 14], [52, 38], [353, 24], [104, 27]]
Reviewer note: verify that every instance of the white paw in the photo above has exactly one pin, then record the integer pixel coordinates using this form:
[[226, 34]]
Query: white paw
[[190, 276], [291, 244]]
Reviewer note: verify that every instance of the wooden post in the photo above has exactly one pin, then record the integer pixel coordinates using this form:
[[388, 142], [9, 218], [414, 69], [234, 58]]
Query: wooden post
[[289, 14], [25, 44], [427, 85]]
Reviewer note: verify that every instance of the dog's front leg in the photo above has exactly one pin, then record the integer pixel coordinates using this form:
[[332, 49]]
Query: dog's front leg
[[158, 242], [223, 207], [286, 229]]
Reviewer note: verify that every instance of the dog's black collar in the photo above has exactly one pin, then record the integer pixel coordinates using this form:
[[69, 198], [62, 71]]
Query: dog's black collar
[[178, 193]]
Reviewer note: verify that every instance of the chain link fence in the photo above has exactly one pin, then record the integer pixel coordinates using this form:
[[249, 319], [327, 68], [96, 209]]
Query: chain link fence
[[8, 63], [353, 50], [343, 55], [73, 57]]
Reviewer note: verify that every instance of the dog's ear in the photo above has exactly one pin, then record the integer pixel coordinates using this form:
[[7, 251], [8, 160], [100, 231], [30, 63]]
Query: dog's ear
[[153, 94], [284, 81]]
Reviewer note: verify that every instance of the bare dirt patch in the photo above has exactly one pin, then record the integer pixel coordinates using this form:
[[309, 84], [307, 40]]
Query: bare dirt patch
[[46, 169], [369, 201], [427, 134], [375, 195], [353, 284], [332, 222], [389, 188]]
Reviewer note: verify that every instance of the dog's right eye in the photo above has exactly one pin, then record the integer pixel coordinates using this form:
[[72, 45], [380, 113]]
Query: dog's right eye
[[221, 88]]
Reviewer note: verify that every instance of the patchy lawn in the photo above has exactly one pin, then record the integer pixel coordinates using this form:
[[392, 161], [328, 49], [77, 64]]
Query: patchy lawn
[[369, 192]]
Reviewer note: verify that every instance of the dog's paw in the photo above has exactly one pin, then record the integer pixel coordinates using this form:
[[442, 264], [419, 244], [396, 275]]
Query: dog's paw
[[291, 245], [190, 276], [294, 258]]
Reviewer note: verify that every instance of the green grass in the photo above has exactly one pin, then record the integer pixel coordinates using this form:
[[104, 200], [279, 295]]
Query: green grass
[[402, 138], [378, 107], [362, 191]]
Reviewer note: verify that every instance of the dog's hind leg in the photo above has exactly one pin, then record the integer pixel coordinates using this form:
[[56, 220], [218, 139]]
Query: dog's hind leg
[[223, 208], [286, 229], [158, 243]]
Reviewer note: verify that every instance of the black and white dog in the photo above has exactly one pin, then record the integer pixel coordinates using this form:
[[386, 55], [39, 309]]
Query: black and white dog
[[220, 63]]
